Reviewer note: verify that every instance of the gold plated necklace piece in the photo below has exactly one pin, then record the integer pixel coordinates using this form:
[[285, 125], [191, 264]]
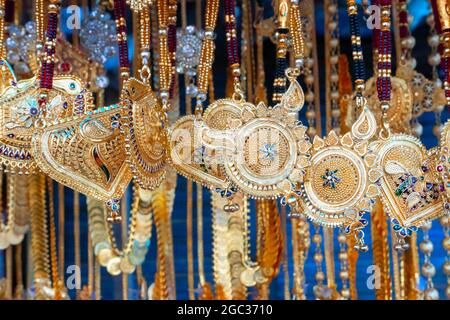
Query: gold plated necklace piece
[[408, 189], [339, 184]]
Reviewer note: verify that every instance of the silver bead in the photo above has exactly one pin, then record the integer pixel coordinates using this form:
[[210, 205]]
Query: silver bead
[[299, 63], [343, 255], [433, 40], [426, 225], [426, 246], [434, 59], [428, 270], [446, 243], [320, 276], [418, 129], [317, 238], [431, 294], [318, 258], [309, 79], [343, 275], [446, 268]]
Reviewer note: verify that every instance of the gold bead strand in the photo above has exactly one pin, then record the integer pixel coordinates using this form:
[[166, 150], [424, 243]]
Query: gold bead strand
[[206, 54]]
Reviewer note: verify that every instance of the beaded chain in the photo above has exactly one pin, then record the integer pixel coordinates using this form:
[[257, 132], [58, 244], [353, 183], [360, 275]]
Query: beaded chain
[[406, 39], [434, 59], [383, 43], [172, 43], [206, 54], [445, 223], [357, 51], [442, 24], [48, 58], [279, 83], [295, 28], [232, 43], [332, 51], [121, 30], [428, 269], [344, 265], [311, 69], [164, 60], [145, 43], [2, 28]]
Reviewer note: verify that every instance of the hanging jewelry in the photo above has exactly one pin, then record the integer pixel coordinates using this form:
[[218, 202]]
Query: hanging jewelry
[[408, 190]]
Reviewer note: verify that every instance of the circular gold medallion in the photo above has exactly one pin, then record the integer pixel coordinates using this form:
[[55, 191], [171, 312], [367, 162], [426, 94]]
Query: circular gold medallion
[[339, 184]]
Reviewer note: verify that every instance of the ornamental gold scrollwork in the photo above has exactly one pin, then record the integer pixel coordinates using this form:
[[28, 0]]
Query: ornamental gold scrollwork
[[409, 190], [401, 107], [20, 110], [85, 153], [253, 148], [443, 166], [339, 184], [144, 127]]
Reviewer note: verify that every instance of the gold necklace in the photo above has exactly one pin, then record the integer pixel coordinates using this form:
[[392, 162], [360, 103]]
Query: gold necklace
[[339, 185], [408, 189]]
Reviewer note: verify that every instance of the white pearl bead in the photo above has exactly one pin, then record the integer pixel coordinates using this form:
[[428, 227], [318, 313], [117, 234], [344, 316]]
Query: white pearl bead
[[434, 59], [431, 294], [433, 40], [418, 129], [428, 270]]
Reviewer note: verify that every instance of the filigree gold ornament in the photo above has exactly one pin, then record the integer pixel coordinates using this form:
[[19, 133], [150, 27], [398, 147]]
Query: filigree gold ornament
[[258, 146], [400, 111], [339, 184], [443, 166], [409, 190], [426, 97], [86, 153], [145, 134], [20, 112], [7, 76], [190, 157], [138, 5]]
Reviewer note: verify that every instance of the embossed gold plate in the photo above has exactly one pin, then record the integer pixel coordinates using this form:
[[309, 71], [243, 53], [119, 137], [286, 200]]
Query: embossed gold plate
[[145, 133], [409, 191], [340, 177], [85, 153], [20, 110]]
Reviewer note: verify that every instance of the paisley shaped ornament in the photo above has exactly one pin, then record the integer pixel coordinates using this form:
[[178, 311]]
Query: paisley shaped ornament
[[144, 127], [20, 111]]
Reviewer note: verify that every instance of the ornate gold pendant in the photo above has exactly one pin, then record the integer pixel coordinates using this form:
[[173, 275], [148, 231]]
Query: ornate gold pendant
[[190, 157], [425, 96], [70, 61], [20, 110], [254, 149], [400, 111], [409, 190], [443, 166], [7, 76], [339, 184], [85, 153], [145, 133]]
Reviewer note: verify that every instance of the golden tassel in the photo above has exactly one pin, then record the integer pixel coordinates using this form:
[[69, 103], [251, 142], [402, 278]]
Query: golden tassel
[[162, 204], [39, 234], [380, 249]]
